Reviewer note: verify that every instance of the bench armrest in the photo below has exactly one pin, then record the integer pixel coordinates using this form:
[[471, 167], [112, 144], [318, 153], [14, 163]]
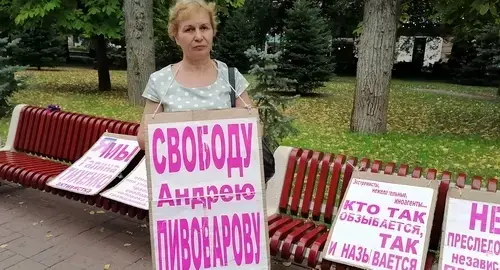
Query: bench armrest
[[14, 121], [275, 184]]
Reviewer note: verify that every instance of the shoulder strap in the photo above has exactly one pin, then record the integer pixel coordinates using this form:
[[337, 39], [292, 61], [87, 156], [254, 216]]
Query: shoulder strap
[[232, 82]]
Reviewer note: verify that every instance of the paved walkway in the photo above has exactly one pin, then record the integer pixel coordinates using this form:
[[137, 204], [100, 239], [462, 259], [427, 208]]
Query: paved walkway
[[460, 94], [44, 231]]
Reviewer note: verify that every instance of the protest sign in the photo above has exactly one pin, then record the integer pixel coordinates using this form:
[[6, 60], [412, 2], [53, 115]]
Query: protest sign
[[100, 165], [133, 189], [205, 180], [384, 222], [471, 230]]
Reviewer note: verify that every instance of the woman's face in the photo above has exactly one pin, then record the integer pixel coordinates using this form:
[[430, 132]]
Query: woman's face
[[195, 35]]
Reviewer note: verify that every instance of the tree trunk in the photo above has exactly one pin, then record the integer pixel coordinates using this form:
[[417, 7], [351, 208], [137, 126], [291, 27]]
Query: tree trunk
[[102, 63], [374, 70], [140, 47]]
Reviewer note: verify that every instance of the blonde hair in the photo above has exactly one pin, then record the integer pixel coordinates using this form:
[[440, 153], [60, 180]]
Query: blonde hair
[[183, 8]]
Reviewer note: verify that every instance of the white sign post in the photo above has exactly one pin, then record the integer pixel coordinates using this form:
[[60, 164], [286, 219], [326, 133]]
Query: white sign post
[[384, 222], [133, 189], [471, 230], [100, 165], [205, 176]]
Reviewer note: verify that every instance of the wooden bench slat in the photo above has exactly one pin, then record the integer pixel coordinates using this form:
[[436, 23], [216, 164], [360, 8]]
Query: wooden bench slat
[[22, 129], [348, 170], [78, 138], [281, 233], [29, 125], [306, 241], [310, 183], [321, 187], [299, 180], [332, 190], [389, 168], [315, 250], [287, 184], [293, 238], [492, 185]]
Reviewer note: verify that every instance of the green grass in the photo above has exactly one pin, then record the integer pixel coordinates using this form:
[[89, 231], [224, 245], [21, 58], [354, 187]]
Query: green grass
[[434, 85], [426, 129]]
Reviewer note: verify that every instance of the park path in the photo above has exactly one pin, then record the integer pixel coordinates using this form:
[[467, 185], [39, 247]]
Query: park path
[[459, 94], [40, 231]]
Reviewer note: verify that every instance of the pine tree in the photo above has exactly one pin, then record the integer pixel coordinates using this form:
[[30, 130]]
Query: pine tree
[[40, 47], [233, 39], [8, 81], [306, 47], [271, 106]]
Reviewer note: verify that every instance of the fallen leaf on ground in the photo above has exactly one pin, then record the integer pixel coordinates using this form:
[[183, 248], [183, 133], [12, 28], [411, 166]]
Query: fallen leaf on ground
[[48, 235], [100, 212], [36, 223], [287, 263], [3, 246], [129, 232], [107, 266], [144, 225], [21, 202], [92, 212], [127, 245]]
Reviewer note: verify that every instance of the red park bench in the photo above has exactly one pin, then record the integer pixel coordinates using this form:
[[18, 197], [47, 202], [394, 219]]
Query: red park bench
[[302, 197], [43, 143]]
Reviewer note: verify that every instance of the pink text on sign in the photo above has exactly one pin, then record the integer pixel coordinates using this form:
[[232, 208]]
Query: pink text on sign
[[204, 243], [196, 195], [109, 149], [485, 218], [203, 147], [374, 209], [379, 259], [473, 243]]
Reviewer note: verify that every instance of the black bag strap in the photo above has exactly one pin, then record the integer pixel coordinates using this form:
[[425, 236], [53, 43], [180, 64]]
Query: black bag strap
[[232, 82]]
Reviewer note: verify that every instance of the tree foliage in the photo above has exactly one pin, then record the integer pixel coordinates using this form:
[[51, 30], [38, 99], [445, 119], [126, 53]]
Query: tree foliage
[[306, 47], [271, 106], [39, 47], [9, 84], [87, 17], [233, 39]]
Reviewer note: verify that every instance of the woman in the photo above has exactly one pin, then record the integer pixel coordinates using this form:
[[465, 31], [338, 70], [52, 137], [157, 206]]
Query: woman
[[197, 82]]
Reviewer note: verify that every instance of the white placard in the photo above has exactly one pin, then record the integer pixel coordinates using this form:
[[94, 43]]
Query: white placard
[[471, 238], [383, 225], [207, 209], [100, 165], [133, 189]]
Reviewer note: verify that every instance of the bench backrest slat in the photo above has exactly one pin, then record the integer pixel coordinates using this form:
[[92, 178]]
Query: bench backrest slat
[[332, 189], [63, 136], [320, 188], [24, 144], [289, 176], [299, 180], [314, 166]]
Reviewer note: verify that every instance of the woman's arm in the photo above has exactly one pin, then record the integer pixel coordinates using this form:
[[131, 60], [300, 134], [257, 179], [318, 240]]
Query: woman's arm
[[149, 108], [246, 98]]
